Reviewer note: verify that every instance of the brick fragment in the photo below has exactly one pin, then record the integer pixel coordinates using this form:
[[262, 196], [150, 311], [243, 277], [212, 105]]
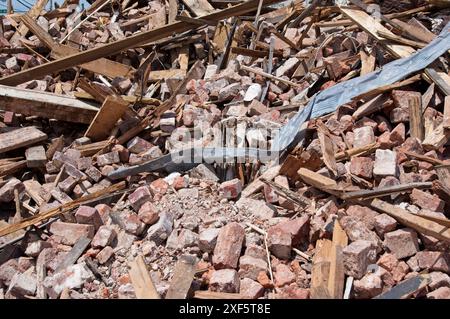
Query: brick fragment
[[357, 256], [283, 275], [208, 239], [250, 267], [279, 242], [148, 213], [251, 289], [427, 201], [225, 280], [402, 242], [7, 190], [385, 163], [104, 255], [104, 237], [35, 156], [363, 136], [69, 233], [230, 189], [384, 224], [228, 247], [361, 167], [140, 196], [108, 158], [88, 215]]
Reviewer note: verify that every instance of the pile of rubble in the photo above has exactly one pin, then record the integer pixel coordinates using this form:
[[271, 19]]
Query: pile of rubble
[[95, 103]]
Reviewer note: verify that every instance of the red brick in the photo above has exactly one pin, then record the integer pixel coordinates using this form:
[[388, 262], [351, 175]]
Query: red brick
[[397, 136], [434, 261], [251, 289], [139, 197], [440, 293], [138, 145], [250, 267], [283, 275], [224, 280], [231, 189], [402, 243], [357, 256], [369, 286], [159, 187], [362, 167], [7, 190], [104, 255], [88, 215], [228, 247], [104, 237], [427, 201], [148, 213], [69, 233], [279, 242]]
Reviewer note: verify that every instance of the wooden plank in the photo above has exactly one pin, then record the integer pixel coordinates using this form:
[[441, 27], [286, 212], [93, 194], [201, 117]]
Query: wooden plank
[[372, 27], [106, 118], [320, 270], [166, 74], [257, 184], [446, 120], [12, 168], [141, 280], [437, 138], [101, 66], [61, 209], [326, 144], [199, 7], [33, 188], [287, 193], [21, 137], [172, 10], [378, 192], [200, 294], [33, 13], [73, 255], [315, 179], [183, 275], [336, 281], [367, 62], [375, 104], [118, 46], [415, 118], [46, 105], [441, 79], [416, 222]]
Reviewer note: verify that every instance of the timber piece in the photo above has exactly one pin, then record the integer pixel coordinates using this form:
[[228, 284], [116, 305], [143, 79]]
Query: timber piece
[[305, 13], [128, 98], [33, 13], [287, 193], [336, 280], [196, 21], [159, 75], [388, 88], [183, 275], [21, 137], [206, 294], [11, 168], [415, 30], [256, 185], [94, 92], [320, 270], [424, 158], [141, 280], [406, 288], [46, 105], [104, 193], [399, 39], [73, 255], [374, 105], [92, 148], [415, 118], [199, 7], [56, 145], [268, 76], [94, 6], [418, 223], [254, 53], [172, 10], [377, 192], [441, 79], [372, 27], [118, 46], [326, 144], [111, 111], [33, 187], [443, 173], [446, 119], [315, 179], [367, 62], [437, 138]]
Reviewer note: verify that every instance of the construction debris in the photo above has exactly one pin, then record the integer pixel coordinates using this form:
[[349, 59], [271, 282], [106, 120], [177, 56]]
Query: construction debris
[[259, 149]]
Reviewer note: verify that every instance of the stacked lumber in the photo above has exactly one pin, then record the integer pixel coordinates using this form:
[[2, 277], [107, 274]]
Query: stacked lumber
[[96, 104]]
